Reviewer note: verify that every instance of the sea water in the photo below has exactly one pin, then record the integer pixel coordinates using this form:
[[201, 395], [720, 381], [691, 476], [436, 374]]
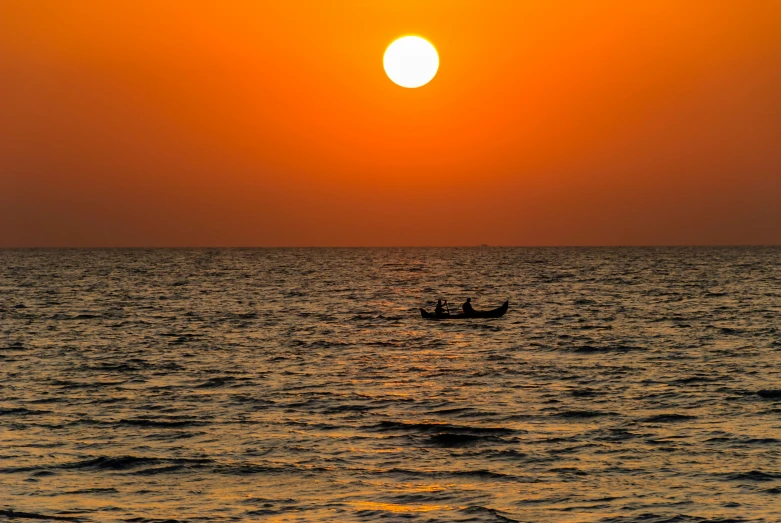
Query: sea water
[[623, 385]]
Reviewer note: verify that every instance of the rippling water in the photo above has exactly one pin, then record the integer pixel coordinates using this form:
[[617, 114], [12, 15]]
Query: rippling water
[[624, 385]]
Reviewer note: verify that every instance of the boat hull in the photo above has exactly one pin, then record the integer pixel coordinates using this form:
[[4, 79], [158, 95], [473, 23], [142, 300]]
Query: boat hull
[[493, 313]]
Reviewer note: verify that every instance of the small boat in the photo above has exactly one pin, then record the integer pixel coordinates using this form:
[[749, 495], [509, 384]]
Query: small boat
[[493, 313]]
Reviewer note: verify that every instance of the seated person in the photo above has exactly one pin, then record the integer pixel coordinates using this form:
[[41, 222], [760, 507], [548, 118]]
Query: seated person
[[439, 311], [467, 306]]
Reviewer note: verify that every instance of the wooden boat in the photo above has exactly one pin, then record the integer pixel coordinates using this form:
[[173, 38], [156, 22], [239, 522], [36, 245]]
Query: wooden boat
[[493, 313]]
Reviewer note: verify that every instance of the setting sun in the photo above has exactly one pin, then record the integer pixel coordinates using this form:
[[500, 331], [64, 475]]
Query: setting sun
[[411, 61]]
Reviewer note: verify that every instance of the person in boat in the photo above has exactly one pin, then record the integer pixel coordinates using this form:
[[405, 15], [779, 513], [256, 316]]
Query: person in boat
[[467, 306], [439, 311]]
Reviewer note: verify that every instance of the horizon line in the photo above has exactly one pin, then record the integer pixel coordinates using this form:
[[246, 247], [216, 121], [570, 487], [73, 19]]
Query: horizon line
[[470, 246]]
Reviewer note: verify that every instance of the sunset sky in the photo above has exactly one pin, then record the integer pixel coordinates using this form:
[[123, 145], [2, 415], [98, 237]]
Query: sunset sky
[[273, 123]]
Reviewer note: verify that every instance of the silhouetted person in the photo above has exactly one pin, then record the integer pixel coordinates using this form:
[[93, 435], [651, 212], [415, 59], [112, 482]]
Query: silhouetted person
[[439, 311], [467, 306]]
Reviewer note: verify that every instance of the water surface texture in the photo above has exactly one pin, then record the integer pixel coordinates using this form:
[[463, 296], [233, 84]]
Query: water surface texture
[[624, 385]]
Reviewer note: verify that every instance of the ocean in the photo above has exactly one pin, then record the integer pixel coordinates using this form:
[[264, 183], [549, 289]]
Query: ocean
[[623, 385]]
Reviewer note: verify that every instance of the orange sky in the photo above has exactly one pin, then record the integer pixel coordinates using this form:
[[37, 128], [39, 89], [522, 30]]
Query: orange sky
[[272, 123]]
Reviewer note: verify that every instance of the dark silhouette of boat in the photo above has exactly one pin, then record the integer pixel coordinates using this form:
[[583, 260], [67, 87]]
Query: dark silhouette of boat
[[493, 313]]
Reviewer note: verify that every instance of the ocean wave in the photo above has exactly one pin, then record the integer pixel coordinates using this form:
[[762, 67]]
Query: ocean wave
[[121, 463], [753, 475], [668, 418], [223, 381], [583, 414], [388, 426], [771, 394], [161, 423], [649, 517], [21, 411]]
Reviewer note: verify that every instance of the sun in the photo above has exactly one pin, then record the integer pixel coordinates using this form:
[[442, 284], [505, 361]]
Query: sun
[[411, 61]]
